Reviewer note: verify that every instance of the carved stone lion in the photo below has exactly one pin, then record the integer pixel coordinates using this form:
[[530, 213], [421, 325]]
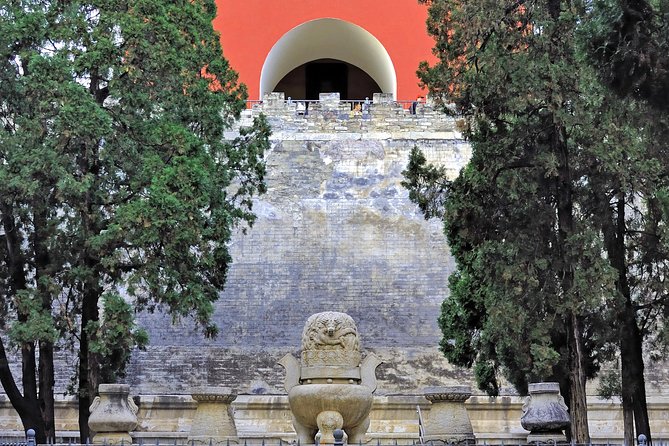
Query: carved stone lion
[[330, 330]]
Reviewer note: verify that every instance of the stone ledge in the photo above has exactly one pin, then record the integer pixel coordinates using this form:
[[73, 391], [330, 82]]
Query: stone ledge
[[393, 417], [287, 135]]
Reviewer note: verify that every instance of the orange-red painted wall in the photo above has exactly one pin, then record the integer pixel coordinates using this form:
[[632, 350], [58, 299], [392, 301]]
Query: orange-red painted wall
[[249, 29]]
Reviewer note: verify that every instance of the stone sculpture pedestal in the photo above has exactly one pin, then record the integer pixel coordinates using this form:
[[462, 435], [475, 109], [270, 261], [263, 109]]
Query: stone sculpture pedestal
[[545, 414], [113, 415], [213, 420], [448, 421]]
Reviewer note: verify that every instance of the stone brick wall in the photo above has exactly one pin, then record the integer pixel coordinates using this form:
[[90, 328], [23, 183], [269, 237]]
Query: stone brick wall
[[335, 231]]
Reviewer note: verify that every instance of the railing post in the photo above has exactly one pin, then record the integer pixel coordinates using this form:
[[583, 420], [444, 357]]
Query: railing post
[[642, 440], [30, 437], [338, 437]]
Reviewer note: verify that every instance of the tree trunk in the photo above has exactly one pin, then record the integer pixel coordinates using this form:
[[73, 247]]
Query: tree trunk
[[628, 421], [28, 404], [27, 407], [578, 403], [632, 375], [46, 389], [635, 411], [46, 367], [88, 361]]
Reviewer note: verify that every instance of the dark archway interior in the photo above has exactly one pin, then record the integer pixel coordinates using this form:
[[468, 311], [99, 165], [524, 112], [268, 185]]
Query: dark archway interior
[[327, 76]]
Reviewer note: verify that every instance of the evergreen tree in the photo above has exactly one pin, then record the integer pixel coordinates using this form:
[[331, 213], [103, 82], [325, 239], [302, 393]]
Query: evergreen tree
[[627, 42], [562, 188], [115, 181]]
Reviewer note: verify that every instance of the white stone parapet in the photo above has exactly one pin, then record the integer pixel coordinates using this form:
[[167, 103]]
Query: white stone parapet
[[381, 114]]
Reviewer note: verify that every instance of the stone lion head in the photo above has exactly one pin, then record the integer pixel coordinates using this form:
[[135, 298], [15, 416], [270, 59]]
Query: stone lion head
[[330, 330]]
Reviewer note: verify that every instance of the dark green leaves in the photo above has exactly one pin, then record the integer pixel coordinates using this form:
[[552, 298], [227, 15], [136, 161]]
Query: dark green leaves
[[114, 176]]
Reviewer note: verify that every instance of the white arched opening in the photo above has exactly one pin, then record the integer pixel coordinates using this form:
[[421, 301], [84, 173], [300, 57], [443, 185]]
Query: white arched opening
[[328, 39]]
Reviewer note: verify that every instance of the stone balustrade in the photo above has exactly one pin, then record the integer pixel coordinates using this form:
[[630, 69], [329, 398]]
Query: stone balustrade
[[331, 115]]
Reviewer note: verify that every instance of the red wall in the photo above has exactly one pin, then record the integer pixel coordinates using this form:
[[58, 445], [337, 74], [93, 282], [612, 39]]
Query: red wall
[[249, 29]]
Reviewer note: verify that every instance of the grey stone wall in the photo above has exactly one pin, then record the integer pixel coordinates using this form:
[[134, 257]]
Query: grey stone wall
[[335, 231]]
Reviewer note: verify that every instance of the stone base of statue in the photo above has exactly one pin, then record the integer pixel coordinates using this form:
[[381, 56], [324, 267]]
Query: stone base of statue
[[448, 421], [213, 421]]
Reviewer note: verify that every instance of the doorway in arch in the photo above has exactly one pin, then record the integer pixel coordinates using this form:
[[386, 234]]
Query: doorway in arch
[[327, 76], [328, 54]]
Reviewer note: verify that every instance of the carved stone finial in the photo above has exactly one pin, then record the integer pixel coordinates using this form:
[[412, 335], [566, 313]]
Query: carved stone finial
[[330, 330], [330, 339]]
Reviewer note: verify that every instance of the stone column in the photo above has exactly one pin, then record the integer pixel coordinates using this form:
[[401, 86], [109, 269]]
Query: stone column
[[113, 415], [213, 420], [448, 421], [545, 414]]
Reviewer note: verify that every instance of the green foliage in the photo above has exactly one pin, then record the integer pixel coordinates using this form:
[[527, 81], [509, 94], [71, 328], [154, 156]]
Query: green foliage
[[116, 336], [511, 70], [628, 41], [609, 384], [37, 324], [114, 173], [427, 184], [558, 222]]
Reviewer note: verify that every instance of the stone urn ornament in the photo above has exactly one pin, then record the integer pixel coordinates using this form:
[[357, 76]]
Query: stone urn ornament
[[448, 421], [331, 387], [545, 414], [113, 415]]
